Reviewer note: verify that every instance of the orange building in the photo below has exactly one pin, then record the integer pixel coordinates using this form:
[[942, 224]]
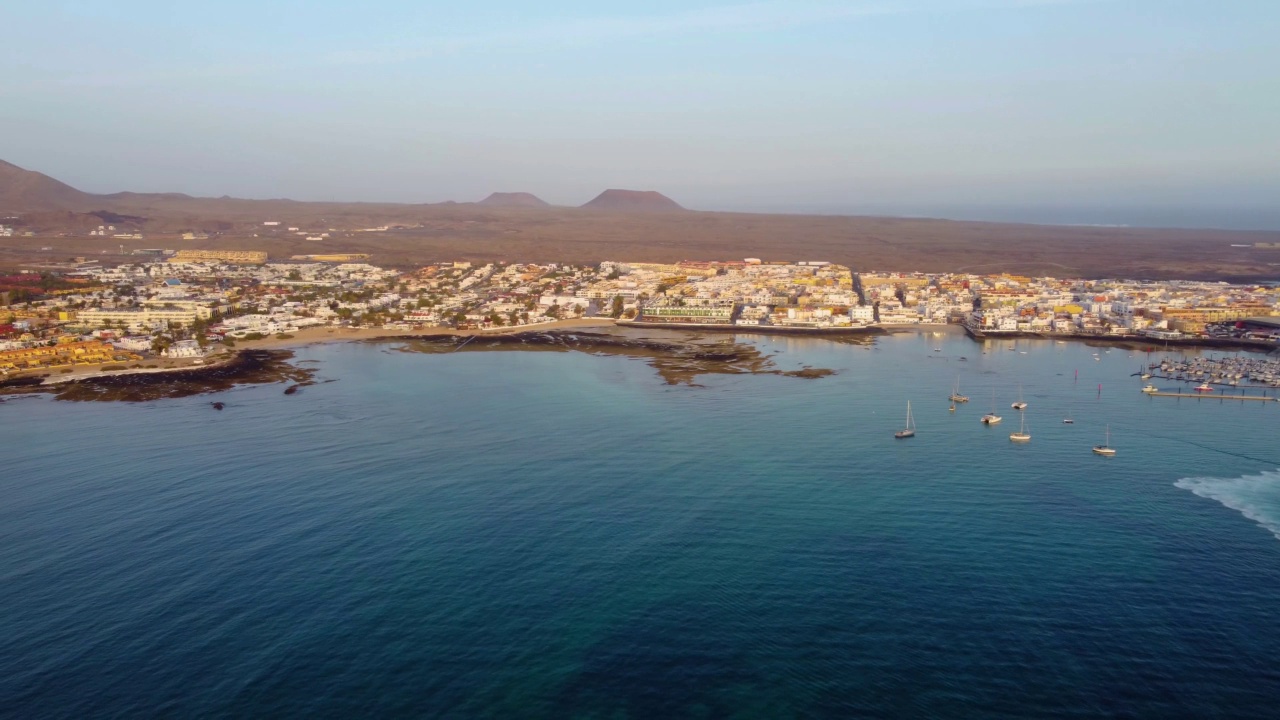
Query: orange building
[[83, 352]]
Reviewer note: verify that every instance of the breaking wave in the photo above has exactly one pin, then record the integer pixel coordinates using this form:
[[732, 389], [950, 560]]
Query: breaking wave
[[1257, 497]]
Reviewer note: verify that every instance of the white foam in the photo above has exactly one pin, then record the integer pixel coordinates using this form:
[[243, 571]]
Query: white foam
[[1257, 497]]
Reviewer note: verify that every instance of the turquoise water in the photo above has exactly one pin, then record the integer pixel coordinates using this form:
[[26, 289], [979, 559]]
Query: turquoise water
[[507, 534]]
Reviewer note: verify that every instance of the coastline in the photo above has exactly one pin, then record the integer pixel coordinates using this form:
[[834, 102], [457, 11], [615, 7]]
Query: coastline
[[756, 329], [1134, 342], [325, 334], [245, 362]]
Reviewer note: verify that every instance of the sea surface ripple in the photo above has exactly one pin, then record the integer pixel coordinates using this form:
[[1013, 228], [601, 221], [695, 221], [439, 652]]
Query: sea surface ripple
[[508, 534]]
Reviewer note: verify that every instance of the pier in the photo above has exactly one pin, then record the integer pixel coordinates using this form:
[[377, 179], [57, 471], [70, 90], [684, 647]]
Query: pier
[[1209, 396]]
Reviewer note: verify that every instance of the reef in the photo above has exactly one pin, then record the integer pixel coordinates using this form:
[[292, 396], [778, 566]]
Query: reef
[[247, 367], [677, 359]]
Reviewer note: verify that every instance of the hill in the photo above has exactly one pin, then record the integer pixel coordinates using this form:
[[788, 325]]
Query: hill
[[26, 190], [621, 224], [513, 199], [633, 201]]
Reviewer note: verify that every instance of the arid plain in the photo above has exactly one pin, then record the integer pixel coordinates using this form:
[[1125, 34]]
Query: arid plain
[[631, 226]]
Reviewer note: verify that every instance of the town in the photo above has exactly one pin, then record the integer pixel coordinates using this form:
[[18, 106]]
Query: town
[[177, 308]]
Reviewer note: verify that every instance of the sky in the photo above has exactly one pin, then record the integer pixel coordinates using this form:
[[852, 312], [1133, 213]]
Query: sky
[[776, 106]]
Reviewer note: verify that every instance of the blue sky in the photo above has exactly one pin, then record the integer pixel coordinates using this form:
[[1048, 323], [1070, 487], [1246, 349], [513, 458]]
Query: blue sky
[[774, 105]]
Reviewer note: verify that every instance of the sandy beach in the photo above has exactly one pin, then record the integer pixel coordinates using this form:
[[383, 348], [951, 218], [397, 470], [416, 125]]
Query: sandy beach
[[325, 334]]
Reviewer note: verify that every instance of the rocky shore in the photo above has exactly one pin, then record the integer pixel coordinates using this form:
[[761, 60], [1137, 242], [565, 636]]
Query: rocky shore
[[679, 357], [247, 367]]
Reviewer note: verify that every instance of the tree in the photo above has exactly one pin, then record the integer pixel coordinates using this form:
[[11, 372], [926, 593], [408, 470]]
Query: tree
[[616, 309]]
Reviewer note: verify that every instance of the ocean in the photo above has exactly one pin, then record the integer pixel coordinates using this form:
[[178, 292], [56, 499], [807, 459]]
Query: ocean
[[561, 535]]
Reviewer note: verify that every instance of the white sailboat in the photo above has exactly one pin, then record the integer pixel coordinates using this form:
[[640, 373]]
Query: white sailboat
[[956, 397], [1022, 435], [910, 429], [1105, 448], [1019, 405], [992, 418]]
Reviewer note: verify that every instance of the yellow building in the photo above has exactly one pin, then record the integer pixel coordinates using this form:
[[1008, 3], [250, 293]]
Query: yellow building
[[80, 352], [235, 257], [1193, 320]]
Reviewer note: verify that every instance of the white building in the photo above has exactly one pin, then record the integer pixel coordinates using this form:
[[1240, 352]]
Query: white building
[[184, 349]]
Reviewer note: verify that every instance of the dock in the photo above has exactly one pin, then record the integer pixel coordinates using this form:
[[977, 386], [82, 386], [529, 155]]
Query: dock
[[1210, 396]]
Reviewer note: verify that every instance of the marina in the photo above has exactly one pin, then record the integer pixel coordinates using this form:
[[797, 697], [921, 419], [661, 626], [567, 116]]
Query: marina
[[1203, 396], [1232, 371]]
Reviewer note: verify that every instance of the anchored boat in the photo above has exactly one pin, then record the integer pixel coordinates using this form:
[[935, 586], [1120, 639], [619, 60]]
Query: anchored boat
[[1022, 435], [910, 429], [1105, 448]]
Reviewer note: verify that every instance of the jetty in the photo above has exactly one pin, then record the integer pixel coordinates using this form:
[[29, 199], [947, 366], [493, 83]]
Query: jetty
[[1210, 396]]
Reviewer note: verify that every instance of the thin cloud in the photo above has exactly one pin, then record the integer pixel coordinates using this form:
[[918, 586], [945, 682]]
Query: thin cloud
[[747, 18]]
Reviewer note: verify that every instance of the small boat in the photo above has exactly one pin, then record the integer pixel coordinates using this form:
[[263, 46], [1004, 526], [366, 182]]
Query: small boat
[[1204, 387], [1068, 421], [1022, 435], [953, 407], [910, 429], [1105, 448], [1149, 388], [937, 349], [1146, 376], [1019, 405], [992, 418]]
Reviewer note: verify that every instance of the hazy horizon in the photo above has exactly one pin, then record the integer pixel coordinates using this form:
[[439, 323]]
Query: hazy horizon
[[1092, 111]]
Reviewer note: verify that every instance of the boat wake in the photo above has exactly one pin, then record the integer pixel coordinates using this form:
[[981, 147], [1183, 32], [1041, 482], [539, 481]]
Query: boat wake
[[1257, 497]]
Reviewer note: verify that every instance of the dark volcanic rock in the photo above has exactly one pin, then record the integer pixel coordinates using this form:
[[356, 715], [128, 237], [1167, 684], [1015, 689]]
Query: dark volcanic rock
[[677, 362], [248, 367]]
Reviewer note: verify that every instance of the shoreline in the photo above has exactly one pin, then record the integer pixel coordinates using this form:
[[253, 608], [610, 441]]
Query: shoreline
[[226, 358], [1137, 342], [756, 329]]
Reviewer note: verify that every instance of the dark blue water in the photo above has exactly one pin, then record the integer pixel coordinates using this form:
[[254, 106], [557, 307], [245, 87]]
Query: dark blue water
[[558, 535]]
